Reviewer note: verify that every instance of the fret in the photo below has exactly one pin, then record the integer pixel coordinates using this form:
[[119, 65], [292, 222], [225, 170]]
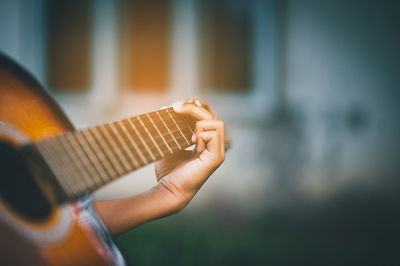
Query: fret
[[141, 138], [147, 137], [80, 160], [105, 163], [177, 126], [124, 145], [109, 155], [60, 155], [188, 136], [162, 127], [187, 124], [114, 147], [154, 125], [172, 130], [91, 157], [166, 134], [184, 126], [172, 143], [181, 122], [132, 142], [182, 140], [85, 160], [171, 118], [68, 160], [141, 145], [54, 164], [164, 115], [151, 137], [172, 135], [118, 148]]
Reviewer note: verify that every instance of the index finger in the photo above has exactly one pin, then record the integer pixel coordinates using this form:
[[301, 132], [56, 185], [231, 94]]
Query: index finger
[[194, 111]]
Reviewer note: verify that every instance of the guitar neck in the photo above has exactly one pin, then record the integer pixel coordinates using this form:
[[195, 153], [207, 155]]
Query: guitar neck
[[83, 161]]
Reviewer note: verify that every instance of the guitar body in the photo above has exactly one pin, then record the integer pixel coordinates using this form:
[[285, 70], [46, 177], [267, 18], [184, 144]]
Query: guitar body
[[34, 229]]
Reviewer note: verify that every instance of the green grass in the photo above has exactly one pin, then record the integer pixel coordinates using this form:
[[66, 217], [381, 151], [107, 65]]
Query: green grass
[[350, 230]]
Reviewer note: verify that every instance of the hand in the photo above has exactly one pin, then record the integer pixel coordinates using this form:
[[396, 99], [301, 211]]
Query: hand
[[183, 173], [180, 176]]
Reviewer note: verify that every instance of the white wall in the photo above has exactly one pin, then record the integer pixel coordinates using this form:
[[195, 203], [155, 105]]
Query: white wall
[[342, 77], [22, 34], [339, 71], [340, 82]]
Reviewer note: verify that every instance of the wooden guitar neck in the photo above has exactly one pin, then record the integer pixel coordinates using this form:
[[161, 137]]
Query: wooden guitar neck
[[83, 161]]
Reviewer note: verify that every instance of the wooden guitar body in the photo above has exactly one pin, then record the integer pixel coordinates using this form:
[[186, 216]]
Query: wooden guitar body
[[48, 169], [33, 228]]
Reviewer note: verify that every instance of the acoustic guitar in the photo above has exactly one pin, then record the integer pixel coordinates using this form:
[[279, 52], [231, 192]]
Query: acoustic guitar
[[47, 167]]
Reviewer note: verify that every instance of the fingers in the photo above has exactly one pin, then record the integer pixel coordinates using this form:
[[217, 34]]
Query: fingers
[[209, 141], [166, 165], [207, 122], [210, 135], [210, 125], [197, 112]]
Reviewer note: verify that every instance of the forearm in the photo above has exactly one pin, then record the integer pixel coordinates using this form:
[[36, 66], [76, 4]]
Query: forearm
[[123, 214], [180, 176]]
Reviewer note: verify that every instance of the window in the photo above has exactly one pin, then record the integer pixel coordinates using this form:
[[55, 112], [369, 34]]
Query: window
[[144, 56], [225, 45], [68, 44], [237, 53], [153, 52]]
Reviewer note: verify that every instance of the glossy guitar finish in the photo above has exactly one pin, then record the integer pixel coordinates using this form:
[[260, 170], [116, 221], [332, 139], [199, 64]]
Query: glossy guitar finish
[[54, 234]]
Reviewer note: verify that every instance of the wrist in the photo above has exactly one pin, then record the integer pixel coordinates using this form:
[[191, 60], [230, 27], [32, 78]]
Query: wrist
[[176, 198]]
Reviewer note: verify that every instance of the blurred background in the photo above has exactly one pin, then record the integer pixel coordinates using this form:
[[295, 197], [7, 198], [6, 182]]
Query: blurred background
[[309, 91]]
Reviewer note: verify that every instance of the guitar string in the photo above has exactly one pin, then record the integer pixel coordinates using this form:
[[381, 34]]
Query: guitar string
[[125, 147], [154, 125], [164, 135], [132, 142], [81, 189], [169, 131], [83, 160], [78, 175], [59, 171], [151, 138], [91, 158], [113, 146], [78, 163], [125, 143], [161, 136], [99, 153], [107, 150]]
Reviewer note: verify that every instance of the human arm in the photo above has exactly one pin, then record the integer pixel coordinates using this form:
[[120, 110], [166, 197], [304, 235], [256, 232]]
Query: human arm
[[179, 177]]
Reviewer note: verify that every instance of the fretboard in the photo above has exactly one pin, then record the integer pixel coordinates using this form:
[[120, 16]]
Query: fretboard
[[83, 161]]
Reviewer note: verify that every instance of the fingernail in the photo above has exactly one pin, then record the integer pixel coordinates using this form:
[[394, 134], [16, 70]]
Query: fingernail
[[193, 138], [177, 106]]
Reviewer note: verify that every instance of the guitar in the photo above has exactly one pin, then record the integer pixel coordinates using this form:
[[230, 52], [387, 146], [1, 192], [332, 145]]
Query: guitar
[[47, 167]]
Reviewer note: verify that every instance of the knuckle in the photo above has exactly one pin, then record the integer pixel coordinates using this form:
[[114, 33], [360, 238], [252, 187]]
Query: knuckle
[[214, 134], [196, 126], [219, 160], [200, 123]]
